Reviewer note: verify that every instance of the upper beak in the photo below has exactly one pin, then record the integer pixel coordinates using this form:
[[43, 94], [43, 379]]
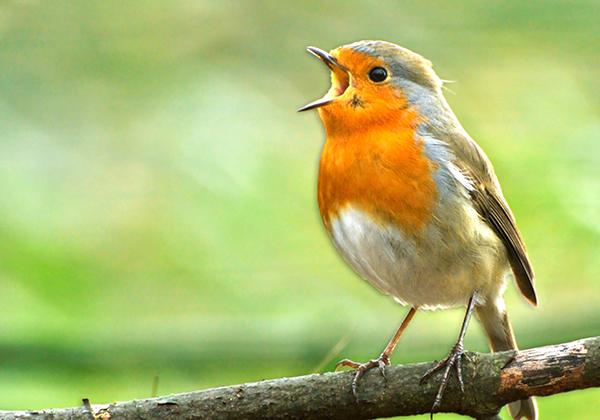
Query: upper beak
[[327, 58], [333, 65]]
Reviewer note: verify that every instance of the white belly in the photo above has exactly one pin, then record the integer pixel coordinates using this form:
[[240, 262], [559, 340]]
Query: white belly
[[453, 257]]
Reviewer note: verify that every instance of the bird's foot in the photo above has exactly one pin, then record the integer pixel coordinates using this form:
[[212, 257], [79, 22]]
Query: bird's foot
[[454, 360], [361, 368]]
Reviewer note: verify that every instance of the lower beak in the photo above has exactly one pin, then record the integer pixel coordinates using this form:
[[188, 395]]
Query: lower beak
[[334, 66]]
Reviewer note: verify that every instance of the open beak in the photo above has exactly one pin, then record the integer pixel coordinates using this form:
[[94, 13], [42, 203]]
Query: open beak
[[341, 79]]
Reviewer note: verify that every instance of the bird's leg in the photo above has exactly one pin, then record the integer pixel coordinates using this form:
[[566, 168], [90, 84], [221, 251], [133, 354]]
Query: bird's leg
[[454, 359], [383, 360]]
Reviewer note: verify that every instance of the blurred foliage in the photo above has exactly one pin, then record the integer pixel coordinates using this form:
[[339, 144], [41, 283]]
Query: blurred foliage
[[158, 210]]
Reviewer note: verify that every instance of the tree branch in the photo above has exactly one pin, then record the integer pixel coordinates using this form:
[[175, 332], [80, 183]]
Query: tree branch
[[491, 381]]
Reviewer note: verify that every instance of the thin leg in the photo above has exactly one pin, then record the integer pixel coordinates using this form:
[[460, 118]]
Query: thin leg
[[383, 360], [453, 360], [391, 346]]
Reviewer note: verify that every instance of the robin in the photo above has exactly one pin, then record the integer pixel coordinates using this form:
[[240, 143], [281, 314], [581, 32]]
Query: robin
[[412, 203]]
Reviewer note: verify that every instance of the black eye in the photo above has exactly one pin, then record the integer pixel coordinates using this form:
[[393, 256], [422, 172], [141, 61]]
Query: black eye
[[378, 74]]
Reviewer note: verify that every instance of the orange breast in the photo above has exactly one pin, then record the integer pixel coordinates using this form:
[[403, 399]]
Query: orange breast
[[382, 171]]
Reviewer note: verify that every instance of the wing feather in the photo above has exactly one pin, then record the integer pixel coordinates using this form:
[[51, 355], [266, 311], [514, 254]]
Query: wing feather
[[497, 214], [487, 197]]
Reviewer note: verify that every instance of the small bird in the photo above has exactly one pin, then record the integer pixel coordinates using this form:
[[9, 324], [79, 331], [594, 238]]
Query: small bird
[[412, 202]]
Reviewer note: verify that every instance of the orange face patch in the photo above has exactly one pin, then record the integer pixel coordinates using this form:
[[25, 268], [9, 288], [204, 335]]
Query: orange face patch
[[359, 102], [372, 159]]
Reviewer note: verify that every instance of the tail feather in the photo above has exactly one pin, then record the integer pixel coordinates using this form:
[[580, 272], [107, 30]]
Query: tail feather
[[524, 409], [498, 329]]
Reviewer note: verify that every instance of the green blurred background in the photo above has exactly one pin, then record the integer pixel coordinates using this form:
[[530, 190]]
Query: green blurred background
[[158, 213]]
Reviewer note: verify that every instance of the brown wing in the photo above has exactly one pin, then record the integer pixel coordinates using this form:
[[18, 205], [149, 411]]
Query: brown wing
[[495, 211], [487, 196]]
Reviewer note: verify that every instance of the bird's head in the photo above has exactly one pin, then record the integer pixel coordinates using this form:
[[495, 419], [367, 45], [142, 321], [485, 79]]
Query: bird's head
[[372, 82]]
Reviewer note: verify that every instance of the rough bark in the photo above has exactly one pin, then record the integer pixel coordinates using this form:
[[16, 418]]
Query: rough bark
[[491, 381]]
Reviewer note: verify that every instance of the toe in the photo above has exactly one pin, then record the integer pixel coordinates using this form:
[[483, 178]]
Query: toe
[[361, 368], [359, 373], [458, 369], [432, 370], [381, 366], [348, 363]]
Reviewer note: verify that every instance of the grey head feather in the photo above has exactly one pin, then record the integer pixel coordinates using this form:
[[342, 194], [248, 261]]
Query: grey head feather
[[404, 63]]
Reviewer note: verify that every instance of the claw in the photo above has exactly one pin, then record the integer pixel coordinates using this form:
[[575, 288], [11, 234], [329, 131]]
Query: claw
[[361, 368], [452, 361], [381, 367]]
